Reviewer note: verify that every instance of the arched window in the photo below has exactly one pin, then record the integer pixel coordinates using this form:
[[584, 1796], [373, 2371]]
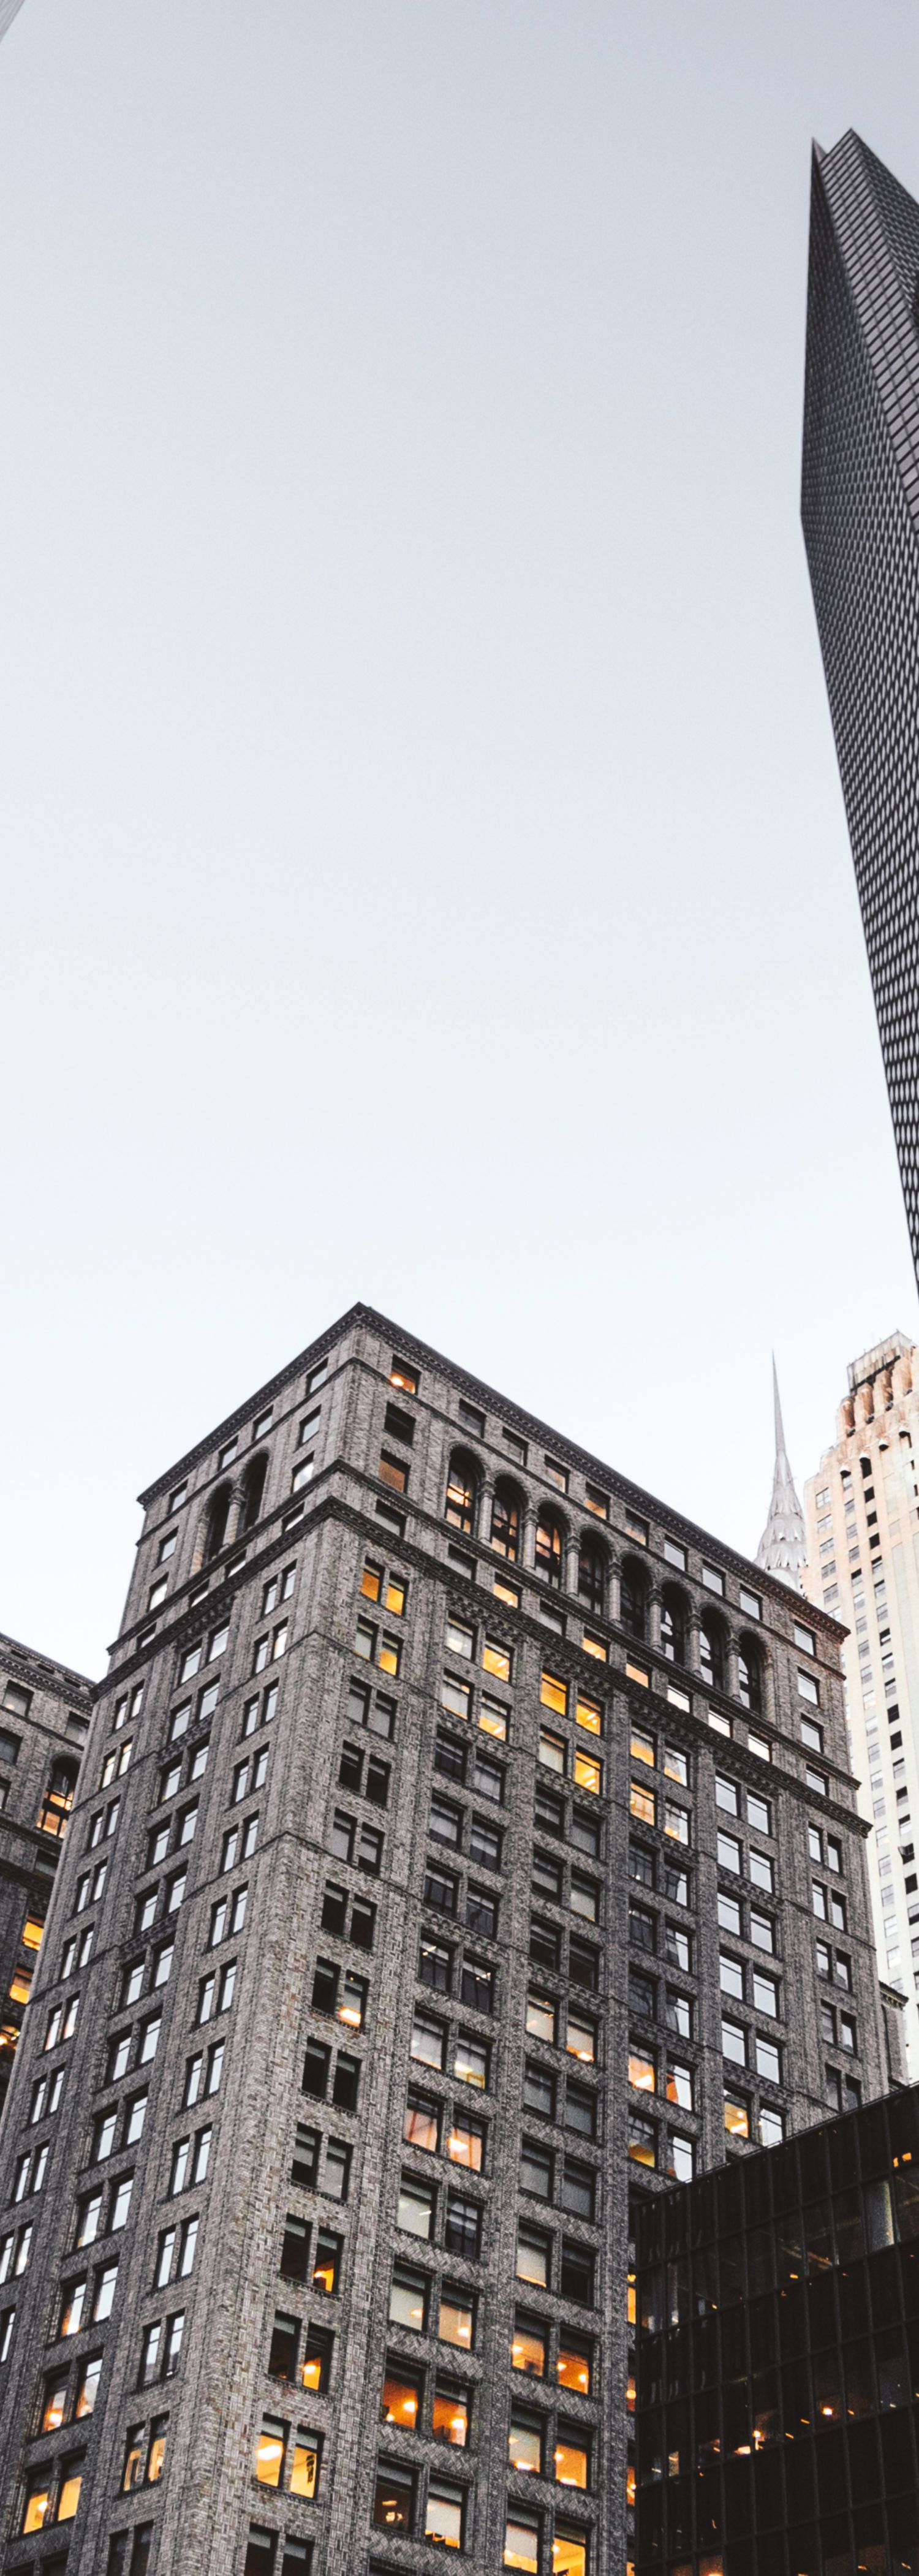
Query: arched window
[[462, 1489], [673, 1624], [750, 1675], [633, 1594], [58, 1799], [505, 1522], [549, 1549], [218, 1513], [253, 1491], [592, 1573], [711, 1652]]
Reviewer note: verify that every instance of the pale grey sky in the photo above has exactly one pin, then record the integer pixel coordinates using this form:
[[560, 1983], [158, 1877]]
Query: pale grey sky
[[426, 874]]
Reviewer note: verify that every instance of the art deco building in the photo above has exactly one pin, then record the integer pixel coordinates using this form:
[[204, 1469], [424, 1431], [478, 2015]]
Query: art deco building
[[465, 1845], [777, 2371], [860, 508], [44, 1722], [863, 1548]]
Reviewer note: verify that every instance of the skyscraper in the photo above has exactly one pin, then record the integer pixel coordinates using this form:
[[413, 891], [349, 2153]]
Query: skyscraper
[[465, 1845], [863, 1564], [860, 510]]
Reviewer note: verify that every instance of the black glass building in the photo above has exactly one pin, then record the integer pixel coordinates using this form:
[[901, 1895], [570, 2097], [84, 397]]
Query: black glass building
[[778, 2365], [860, 509]]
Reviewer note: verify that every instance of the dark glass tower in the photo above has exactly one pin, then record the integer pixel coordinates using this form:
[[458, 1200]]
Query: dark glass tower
[[860, 508]]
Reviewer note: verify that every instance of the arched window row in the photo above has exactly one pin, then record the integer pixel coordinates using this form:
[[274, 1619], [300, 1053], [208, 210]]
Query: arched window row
[[232, 1509], [676, 1614], [508, 1507]]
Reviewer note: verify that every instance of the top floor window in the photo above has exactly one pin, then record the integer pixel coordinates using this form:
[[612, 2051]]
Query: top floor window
[[549, 1549], [505, 1522], [711, 1653], [633, 1598], [253, 1491], [215, 1529], [592, 1575], [673, 1624], [749, 1675], [462, 1490]]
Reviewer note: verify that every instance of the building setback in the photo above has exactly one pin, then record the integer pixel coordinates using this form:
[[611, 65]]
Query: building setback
[[44, 1722], [860, 510], [450, 1865], [779, 2359], [863, 1548]]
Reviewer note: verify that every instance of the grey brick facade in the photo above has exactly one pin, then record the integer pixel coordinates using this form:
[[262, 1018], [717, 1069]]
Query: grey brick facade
[[44, 1722], [348, 1737]]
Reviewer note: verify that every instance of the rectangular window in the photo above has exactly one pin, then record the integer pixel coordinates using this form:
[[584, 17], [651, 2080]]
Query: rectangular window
[[428, 2041], [456, 1696], [393, 1472], [534, 2256], [736, 2115]]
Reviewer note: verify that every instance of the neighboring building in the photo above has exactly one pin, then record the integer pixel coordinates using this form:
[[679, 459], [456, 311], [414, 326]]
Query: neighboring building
[[860, 509], [44, 1722], [783, 1547], [863, 1547], [465, 1845], [777, 2359]]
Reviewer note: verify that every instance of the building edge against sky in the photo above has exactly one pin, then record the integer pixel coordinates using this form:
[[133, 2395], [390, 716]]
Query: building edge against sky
[[862, 1511], [465, 1845], [860, 514]]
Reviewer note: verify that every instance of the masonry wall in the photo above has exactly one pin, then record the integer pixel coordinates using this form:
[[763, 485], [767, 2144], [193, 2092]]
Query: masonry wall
[[511, 1764], [44, 1721]]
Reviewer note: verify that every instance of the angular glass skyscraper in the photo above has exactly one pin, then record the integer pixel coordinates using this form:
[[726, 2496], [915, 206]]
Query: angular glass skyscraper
[[860, 508]]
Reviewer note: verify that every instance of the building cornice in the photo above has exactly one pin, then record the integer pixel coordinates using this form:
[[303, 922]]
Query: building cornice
[[517, 1419]]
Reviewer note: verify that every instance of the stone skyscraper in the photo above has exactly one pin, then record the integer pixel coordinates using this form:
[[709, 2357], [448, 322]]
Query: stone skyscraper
[[465, 1844], [860, 509], [863, 1564]]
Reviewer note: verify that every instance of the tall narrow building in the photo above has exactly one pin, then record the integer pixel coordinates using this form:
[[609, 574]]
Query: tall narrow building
[[860, 509], [465, 1845], [863, 1548]]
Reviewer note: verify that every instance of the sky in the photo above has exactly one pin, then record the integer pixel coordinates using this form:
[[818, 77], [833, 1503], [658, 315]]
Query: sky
[[426, 877]]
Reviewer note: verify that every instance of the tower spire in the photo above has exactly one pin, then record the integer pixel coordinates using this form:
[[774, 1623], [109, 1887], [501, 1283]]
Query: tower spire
[[783, 1547]]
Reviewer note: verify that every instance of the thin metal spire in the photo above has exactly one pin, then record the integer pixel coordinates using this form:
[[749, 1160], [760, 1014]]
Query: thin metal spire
[[783, 1547]]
